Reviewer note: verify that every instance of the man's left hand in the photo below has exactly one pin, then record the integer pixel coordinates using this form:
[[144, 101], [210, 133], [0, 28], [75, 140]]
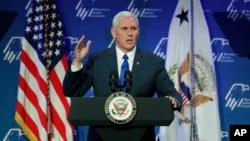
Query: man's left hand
[[173, 101]]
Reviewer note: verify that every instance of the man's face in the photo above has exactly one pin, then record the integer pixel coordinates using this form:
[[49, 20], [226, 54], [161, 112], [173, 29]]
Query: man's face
[[126, 33]]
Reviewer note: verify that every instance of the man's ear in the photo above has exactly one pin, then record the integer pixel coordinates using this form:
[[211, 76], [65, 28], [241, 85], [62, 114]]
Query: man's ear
[[113, 32]]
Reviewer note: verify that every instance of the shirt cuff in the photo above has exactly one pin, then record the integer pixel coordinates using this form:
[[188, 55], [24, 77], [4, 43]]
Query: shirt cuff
[[75, 69]]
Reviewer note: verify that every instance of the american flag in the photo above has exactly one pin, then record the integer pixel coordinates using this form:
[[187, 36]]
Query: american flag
[[42, 108], [185, 99]]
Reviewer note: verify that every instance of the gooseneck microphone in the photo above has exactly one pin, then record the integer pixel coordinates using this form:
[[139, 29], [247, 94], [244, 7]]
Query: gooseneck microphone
[[113, 80], [127, 80]]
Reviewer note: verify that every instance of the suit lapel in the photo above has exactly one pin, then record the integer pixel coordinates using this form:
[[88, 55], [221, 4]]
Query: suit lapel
[[137, 69], [111, 59], [138, 61]]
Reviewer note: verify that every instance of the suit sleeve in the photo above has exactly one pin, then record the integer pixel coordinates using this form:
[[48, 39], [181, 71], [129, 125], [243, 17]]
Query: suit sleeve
[[164, 85], [76, 84]]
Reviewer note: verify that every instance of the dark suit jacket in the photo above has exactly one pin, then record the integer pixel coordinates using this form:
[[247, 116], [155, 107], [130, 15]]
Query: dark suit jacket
[[148, 77]]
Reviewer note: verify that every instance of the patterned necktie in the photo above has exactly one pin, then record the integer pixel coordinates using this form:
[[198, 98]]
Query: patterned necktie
[[124, 67]]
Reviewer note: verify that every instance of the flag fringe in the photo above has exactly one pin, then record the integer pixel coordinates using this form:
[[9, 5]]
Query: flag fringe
[[25, 128]]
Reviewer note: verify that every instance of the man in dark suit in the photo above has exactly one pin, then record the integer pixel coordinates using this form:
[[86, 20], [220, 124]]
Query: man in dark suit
[[148, 70]]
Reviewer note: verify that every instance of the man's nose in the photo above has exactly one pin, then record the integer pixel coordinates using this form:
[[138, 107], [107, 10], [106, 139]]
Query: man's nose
[[130, 32]]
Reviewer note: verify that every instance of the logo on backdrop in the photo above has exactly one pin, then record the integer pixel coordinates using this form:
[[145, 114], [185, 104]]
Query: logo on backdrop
[[238, 96], [160, 48], [12, 50], [85, 8], [241, 6], [15, 134], [143, 9], [224, 53]]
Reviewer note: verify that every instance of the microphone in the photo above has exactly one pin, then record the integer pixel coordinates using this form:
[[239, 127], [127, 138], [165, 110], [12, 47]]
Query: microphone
[[127, 80], [113, 80]]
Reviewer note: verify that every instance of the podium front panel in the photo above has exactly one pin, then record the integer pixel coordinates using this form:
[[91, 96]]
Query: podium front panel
[[150, 112]]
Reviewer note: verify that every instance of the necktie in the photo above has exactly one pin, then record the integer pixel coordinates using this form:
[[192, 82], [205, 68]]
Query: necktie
[[124, 67]]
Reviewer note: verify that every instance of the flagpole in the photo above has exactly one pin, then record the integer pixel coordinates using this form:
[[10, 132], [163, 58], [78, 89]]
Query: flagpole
[[46, 42], [194, 134]]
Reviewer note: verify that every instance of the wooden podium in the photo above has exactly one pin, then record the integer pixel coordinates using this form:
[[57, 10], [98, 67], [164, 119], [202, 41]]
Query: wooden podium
[[150, 112]]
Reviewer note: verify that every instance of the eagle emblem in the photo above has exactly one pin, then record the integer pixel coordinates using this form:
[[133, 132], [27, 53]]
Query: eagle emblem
[[120, 109], [204, 84]]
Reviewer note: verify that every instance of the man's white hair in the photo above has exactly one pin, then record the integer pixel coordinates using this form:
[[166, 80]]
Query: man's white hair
[[123, 14]]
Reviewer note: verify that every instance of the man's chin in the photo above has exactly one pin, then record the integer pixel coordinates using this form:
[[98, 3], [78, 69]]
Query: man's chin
[[130, 46]]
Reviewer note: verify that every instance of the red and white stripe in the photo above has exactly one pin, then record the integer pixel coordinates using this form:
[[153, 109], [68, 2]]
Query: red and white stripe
[[184, 97], [31, 108]]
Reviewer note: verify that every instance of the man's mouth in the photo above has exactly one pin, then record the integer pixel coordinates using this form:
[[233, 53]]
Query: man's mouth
[[129, 41]]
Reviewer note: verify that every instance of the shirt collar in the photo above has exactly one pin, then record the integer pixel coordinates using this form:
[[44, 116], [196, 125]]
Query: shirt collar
[[130, 54]]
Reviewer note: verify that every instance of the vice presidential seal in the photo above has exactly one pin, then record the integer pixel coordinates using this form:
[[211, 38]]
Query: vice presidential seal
[[120, 108]]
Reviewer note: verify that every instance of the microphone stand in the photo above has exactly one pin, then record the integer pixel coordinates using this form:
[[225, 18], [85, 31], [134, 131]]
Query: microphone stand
[[128, 81], [113, 82]]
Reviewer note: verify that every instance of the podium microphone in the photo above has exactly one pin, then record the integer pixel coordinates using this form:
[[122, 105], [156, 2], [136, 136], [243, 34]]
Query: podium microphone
[[113, 80], [128, 80]]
